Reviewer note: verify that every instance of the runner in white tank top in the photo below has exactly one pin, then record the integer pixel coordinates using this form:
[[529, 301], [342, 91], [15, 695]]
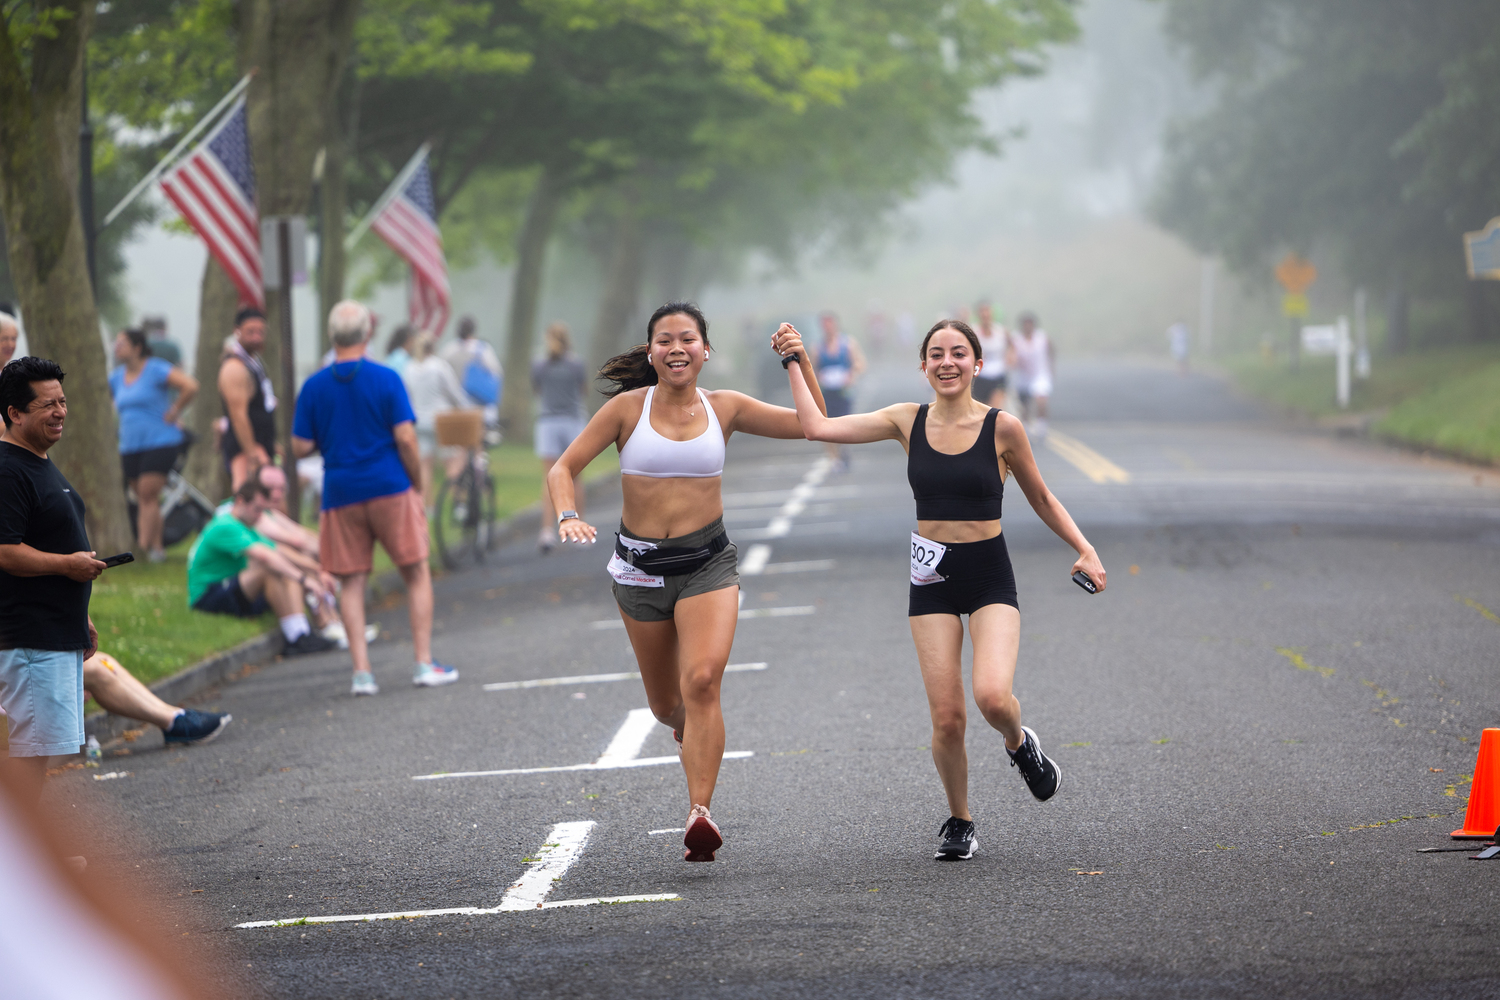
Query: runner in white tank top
[[1033, 372], [989, 384], [674, 567]]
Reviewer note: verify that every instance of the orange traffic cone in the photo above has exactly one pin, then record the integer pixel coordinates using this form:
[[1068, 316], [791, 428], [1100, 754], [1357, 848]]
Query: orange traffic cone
[[1483, 815]]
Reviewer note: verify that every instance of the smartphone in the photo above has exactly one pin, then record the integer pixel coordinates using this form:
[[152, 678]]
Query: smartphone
[[119, 560], [1082, 579]]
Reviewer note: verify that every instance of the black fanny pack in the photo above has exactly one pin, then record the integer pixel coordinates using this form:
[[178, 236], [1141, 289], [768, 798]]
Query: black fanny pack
[[673, 561]]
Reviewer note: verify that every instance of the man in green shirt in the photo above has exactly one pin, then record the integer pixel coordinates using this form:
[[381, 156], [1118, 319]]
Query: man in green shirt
[[235, 570]]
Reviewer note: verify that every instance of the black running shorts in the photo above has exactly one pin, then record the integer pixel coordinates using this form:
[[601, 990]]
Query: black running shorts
[[974, 574]]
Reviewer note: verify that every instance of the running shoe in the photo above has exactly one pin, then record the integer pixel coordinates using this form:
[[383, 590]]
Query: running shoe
[[1040, 771], [677, 735], [702, 837], [364, 683], [192, 726], [956, 840], [546, 540], [307, 644], [335, 631], [431, 675]]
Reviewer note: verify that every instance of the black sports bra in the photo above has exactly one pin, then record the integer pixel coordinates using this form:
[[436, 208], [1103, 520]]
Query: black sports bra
[[963, 487]]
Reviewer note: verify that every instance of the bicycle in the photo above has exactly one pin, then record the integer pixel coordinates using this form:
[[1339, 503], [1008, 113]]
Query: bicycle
[[464, 516]]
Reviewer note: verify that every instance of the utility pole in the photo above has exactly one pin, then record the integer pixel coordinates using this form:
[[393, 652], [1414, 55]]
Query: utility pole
[[86, 179]]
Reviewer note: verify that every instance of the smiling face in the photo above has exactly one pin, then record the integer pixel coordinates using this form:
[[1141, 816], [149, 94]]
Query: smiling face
[[40, 425], [949, 362], [677, 349]]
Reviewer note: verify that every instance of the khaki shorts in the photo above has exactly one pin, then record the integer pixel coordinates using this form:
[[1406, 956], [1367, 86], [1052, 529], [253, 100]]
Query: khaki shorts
[[347, 535], [656, 604]]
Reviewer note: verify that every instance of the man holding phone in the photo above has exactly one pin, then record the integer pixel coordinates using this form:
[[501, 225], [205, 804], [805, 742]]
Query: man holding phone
[[46, 576]]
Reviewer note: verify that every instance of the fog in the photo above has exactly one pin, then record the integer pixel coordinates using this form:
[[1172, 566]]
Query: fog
[[1056, 224]]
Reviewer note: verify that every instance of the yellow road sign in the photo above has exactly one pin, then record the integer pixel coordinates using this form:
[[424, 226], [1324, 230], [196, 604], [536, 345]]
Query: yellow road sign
[[1294, 305]]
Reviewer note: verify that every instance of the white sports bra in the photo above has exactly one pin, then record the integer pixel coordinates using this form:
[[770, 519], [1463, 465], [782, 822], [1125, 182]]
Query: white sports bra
[[647, 453]]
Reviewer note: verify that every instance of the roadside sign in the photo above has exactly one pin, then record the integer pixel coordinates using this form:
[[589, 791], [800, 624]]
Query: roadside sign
[[1332, 339], [1294, 305], [1320, 339], [1482, 249], [1296, 274]]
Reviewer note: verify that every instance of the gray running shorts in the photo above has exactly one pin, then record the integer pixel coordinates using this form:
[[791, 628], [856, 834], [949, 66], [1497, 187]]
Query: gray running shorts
[[656, 604]]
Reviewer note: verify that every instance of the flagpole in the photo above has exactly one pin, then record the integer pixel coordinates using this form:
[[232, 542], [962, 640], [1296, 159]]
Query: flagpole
[[389, 196], [166, 161]]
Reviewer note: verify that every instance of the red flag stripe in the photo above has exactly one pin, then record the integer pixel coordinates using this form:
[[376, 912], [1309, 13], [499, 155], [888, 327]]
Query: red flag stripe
[[229, 223], [246, 277]]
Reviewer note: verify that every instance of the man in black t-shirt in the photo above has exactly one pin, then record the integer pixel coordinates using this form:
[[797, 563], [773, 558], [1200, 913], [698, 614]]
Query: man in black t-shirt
[[46, 575]]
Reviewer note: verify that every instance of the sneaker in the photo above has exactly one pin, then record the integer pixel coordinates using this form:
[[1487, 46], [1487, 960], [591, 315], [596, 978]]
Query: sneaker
[[702, 837], [192, 727], [956, 840], [546, 541], [434, 674], [156, 556], [308, 644], [1040, 771], [335, 632], [364, 683], [677, 735]]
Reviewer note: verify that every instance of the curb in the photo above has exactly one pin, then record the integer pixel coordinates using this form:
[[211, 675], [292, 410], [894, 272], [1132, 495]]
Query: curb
[[185, 684]]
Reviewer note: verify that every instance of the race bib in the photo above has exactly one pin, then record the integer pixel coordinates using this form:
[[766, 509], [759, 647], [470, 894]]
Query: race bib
[[627, 574], [925, 556]]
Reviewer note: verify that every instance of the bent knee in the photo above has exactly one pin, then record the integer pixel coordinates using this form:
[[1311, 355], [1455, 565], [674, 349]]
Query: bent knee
[[700, 683], [996, 704], [948, 725]]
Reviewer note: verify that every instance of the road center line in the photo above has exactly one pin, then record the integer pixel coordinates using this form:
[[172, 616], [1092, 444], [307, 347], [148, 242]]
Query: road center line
[[527, 894], [1085, 459], [733, 668], [621, 753]]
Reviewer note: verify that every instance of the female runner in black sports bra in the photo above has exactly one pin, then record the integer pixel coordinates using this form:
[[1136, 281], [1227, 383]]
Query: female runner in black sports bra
[[958, 453]]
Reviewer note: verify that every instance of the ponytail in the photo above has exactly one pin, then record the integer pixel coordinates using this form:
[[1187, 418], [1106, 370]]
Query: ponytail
[[631, 370]]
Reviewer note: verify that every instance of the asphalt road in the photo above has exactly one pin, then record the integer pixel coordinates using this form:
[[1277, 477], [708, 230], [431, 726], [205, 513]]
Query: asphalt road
[[1275, 704]]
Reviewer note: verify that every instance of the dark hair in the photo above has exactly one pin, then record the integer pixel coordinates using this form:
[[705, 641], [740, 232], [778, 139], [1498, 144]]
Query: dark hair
[[961, 327], [632, 370], [400, 337], [137, 337], [16, 379], [249, 312], [252, 488], [466, 327]]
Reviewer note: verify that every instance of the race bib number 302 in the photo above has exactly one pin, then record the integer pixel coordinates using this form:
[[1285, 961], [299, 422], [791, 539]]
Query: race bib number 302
[[925, 556]]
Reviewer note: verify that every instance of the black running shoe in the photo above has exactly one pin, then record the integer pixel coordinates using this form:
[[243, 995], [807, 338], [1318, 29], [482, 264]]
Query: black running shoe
[[193, 726], [1040, 771], [956, 840], [307, 644]]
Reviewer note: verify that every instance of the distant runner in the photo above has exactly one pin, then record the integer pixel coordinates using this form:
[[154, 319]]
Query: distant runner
[[840, 364], [994, 342], [675, 571], [958, 454], [1033, 372]]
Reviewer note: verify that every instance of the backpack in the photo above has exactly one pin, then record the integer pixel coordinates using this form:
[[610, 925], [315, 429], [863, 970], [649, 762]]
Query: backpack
[[482, 385]]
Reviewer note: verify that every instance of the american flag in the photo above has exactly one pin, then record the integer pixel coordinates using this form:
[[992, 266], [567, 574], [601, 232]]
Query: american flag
[[408, 222], [214, 189]]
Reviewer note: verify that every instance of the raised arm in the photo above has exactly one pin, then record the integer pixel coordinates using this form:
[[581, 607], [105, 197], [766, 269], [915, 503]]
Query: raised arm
[[856, 428], [1012, 444], [756, 416]]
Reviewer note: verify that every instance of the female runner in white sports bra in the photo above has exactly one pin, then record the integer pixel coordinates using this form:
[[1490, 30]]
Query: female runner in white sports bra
[[959, 451], [674, 567]]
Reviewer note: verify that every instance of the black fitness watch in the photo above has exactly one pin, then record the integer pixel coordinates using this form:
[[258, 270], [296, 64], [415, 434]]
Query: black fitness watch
[[788, 359]]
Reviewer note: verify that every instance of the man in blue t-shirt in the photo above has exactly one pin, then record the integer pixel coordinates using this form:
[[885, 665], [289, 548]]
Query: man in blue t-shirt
[[357, 414]]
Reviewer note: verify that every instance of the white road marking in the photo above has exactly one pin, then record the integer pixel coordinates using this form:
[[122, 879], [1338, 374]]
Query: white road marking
[[1085, 459], [797, 502], [670, 829], [806, 566], [793, 611], [773, 531], [733, 668], [755, 560], [621, 753], [527, 894]]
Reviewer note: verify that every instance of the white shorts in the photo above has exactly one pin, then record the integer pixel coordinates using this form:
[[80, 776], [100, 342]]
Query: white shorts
[[1037, 385], [553, 434]]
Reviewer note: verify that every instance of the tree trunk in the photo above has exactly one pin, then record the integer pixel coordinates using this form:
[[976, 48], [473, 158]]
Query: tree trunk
[[526, 291], [333, 261], [621, 298], [1481, 313], [1397, 318], [38, 142], [298, 49], [216, 307]]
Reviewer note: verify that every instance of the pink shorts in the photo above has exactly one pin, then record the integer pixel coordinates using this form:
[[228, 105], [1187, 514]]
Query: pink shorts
[[347, 535]]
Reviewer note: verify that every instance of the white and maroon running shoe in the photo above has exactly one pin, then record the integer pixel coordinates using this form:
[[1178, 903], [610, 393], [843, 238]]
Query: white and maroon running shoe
[[702, 838]]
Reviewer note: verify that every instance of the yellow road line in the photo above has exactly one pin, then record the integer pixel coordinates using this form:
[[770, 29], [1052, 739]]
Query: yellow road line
[[1478, 607], [1087, 460]]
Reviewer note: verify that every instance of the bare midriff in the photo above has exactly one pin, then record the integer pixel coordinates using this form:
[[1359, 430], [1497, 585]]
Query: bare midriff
[[671, 508], [957, 532]]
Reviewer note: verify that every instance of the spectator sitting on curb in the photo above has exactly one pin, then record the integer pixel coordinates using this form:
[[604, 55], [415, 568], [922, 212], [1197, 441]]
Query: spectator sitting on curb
[[288, 534], [358, 415], [235, 570], [47, 573], [113, 687]]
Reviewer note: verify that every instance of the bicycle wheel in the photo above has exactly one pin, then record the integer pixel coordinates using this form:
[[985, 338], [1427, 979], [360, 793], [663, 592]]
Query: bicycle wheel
[[488, 537], [453, 518]]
